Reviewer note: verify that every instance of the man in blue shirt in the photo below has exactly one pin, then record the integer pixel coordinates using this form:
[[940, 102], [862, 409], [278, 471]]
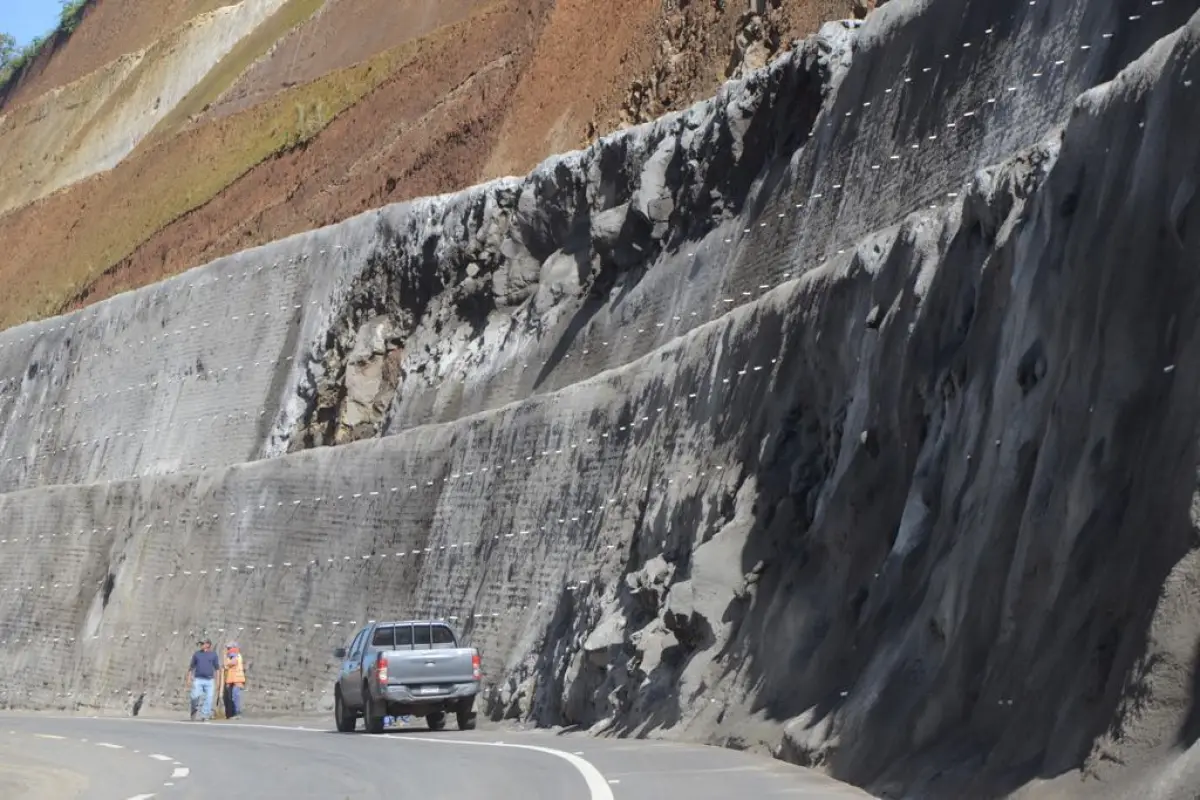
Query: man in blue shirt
[[202, 676]]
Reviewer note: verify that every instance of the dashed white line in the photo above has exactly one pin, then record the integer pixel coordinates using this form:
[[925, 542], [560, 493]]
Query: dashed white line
[[180, 772], [141, 797], [160, 757], [109, 746], [49, 736]]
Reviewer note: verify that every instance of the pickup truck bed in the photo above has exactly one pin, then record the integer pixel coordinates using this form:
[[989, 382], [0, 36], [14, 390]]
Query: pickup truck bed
[[411, 667]]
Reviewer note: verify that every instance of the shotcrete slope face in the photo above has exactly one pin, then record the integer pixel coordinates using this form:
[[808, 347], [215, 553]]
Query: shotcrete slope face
[[850, 413], [99, 119]]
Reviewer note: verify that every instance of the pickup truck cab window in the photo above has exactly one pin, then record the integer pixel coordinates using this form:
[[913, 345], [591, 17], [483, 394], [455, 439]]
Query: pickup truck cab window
[[419, 636]]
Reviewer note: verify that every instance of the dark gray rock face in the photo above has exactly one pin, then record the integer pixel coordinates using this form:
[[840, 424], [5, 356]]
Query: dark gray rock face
[[850, 415]]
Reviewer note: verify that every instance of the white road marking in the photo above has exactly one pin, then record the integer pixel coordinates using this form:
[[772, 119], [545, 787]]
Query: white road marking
[[763, 768], [597, 787], [141, 797], [180, 772], [109, 746], [48, 736]]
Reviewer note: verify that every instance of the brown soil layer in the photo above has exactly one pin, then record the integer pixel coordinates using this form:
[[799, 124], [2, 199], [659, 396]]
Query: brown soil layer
[[110, 29], [425, 131], [344, 32], [483, 91]]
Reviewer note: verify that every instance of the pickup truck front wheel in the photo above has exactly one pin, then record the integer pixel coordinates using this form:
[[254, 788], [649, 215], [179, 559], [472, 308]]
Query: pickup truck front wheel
[[372, 718], [344, 717]]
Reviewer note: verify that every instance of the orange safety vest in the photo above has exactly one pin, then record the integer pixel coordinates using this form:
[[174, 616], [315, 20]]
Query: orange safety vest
[[235, 673]]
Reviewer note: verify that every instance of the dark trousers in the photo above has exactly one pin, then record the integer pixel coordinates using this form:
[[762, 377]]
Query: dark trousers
[[233, 701]]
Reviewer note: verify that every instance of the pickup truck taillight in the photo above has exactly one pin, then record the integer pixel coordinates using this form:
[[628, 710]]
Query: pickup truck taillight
[[381, 669], [476, 672]]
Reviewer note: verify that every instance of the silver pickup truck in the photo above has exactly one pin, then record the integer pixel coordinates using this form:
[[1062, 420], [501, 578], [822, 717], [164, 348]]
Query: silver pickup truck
[[412, 667]]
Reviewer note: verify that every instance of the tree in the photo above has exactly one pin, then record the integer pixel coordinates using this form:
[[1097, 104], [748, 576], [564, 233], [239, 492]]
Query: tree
[[8, 50], [70, 14]]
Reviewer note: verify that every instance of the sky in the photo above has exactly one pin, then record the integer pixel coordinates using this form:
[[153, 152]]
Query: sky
[[25, 19]]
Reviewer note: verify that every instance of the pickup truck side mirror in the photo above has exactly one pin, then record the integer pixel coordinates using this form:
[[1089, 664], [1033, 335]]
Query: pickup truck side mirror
[[339, 652]]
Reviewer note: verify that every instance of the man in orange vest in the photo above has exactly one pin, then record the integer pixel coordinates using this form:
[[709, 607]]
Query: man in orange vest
[[235, 680]]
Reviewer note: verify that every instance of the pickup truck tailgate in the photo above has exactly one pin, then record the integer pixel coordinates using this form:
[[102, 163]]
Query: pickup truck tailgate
[[412, 667]]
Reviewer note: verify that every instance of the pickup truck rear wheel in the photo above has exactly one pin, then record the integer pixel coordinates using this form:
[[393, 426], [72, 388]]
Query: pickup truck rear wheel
[[466, 718], [343, 716], [372, 719], [436, 721]]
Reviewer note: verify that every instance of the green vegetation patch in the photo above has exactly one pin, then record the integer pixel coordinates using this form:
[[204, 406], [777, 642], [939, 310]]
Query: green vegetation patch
[[70, 15], [13, 61]]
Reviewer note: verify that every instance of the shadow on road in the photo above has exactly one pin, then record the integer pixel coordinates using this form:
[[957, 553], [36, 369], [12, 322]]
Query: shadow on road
[[389, 731]]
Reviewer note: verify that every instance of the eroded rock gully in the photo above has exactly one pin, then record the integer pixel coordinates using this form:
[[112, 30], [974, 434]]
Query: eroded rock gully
[[849, 415]]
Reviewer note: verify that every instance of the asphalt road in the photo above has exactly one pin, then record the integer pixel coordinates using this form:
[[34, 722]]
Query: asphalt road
[[88, 758]]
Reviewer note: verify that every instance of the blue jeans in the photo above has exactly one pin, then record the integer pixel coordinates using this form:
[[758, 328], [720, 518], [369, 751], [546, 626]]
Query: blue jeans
[[233, 701], [202, 690]]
